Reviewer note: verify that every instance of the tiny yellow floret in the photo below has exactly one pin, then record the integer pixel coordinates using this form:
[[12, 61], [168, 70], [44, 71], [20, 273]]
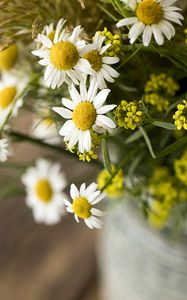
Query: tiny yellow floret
[[44, 190], [180, 116], [64, 55], [81, 207]]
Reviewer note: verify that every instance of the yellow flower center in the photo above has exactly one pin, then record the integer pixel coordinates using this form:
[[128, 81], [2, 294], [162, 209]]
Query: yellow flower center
[[64, 55], [51, 35], [7, 96], [149, 12], [84, 115], [44, 190], [8, 57], [81, 207], [95, 59]]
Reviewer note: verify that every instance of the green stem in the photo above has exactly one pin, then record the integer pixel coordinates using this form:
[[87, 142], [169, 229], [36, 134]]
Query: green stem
[[129, 58]]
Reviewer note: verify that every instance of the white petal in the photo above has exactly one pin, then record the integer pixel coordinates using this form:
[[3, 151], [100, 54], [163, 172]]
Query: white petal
[[74, 191], [72, 75], [127, 21], [75, 34], [106, 76], [68, 103], [111, 71], [76, 218], [106, 121], [68, 126], [110, 60], [97, 212], [65, 113], [173, 14], [45, 40], [92, 91], [147, 35], [83, 91], [87, 221], [93, 196], [101, 82], [74, 138], [100, 99], [158, 34], [82, 189], [135, 31], [44, 62], [74, 94], [96, 222], [84, 66], [67, 203], [91, 188], [98, 199], [87, 142], [104, 48], [166, 3], [106, 108]]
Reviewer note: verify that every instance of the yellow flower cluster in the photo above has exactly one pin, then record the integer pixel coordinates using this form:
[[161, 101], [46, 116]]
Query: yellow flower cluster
[[180, 116], [114, 40], [180, 166], [163, 195], [116, 187], [87, 156], [129, 114], [159, 89]]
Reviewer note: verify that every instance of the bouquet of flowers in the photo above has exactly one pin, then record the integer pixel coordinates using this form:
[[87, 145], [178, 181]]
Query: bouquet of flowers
[[106, 83]]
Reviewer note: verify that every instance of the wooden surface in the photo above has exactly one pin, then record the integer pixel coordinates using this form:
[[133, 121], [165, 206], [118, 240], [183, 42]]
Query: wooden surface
[[38, 262]]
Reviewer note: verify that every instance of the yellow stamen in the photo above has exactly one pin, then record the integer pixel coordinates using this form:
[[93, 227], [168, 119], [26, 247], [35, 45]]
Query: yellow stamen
[[64, 55], [8, 57], [95, 59], [44, 190], [81, 207], [149, 12], [7, 96], [84, 115]]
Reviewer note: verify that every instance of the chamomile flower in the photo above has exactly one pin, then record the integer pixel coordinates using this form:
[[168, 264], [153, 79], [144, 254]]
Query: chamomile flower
[[62, 57], [4, 152], [11, 88], [83, 202], [100, 63], [84, 113], [153, 17], [44, 184], [46, 130]]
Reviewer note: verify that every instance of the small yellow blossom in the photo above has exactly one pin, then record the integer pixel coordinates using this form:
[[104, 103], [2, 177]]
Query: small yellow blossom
[[158, 91], [116, 187], [164, 196], [87, 156], [114, 40], [180, 166], [129, 114], [180, 116]]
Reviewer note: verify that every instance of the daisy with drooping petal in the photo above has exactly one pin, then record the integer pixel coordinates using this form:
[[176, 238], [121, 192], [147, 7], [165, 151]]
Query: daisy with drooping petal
[[62, 57], [11, 88], [4, 152], [44, 185], [153, 17], [100, 63], [82, 205], [85, 112]]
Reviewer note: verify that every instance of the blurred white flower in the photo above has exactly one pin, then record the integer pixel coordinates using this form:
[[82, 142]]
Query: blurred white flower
[[11, 88], [4, 152], [84, 113], [83, 202], [44, 186]]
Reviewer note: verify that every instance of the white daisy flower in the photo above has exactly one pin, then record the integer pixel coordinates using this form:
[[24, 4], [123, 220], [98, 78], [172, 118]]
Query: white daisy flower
[[130, 4], [100, 63], [4, 152], [153, 17], [44, 185], [85, 112], [62, 57], [46, 130], [83, 202], [11, 88]]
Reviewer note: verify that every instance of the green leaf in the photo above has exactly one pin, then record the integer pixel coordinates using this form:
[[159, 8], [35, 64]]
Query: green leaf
[[173, 147], [165, 125], [147, 141], [105, 154]]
